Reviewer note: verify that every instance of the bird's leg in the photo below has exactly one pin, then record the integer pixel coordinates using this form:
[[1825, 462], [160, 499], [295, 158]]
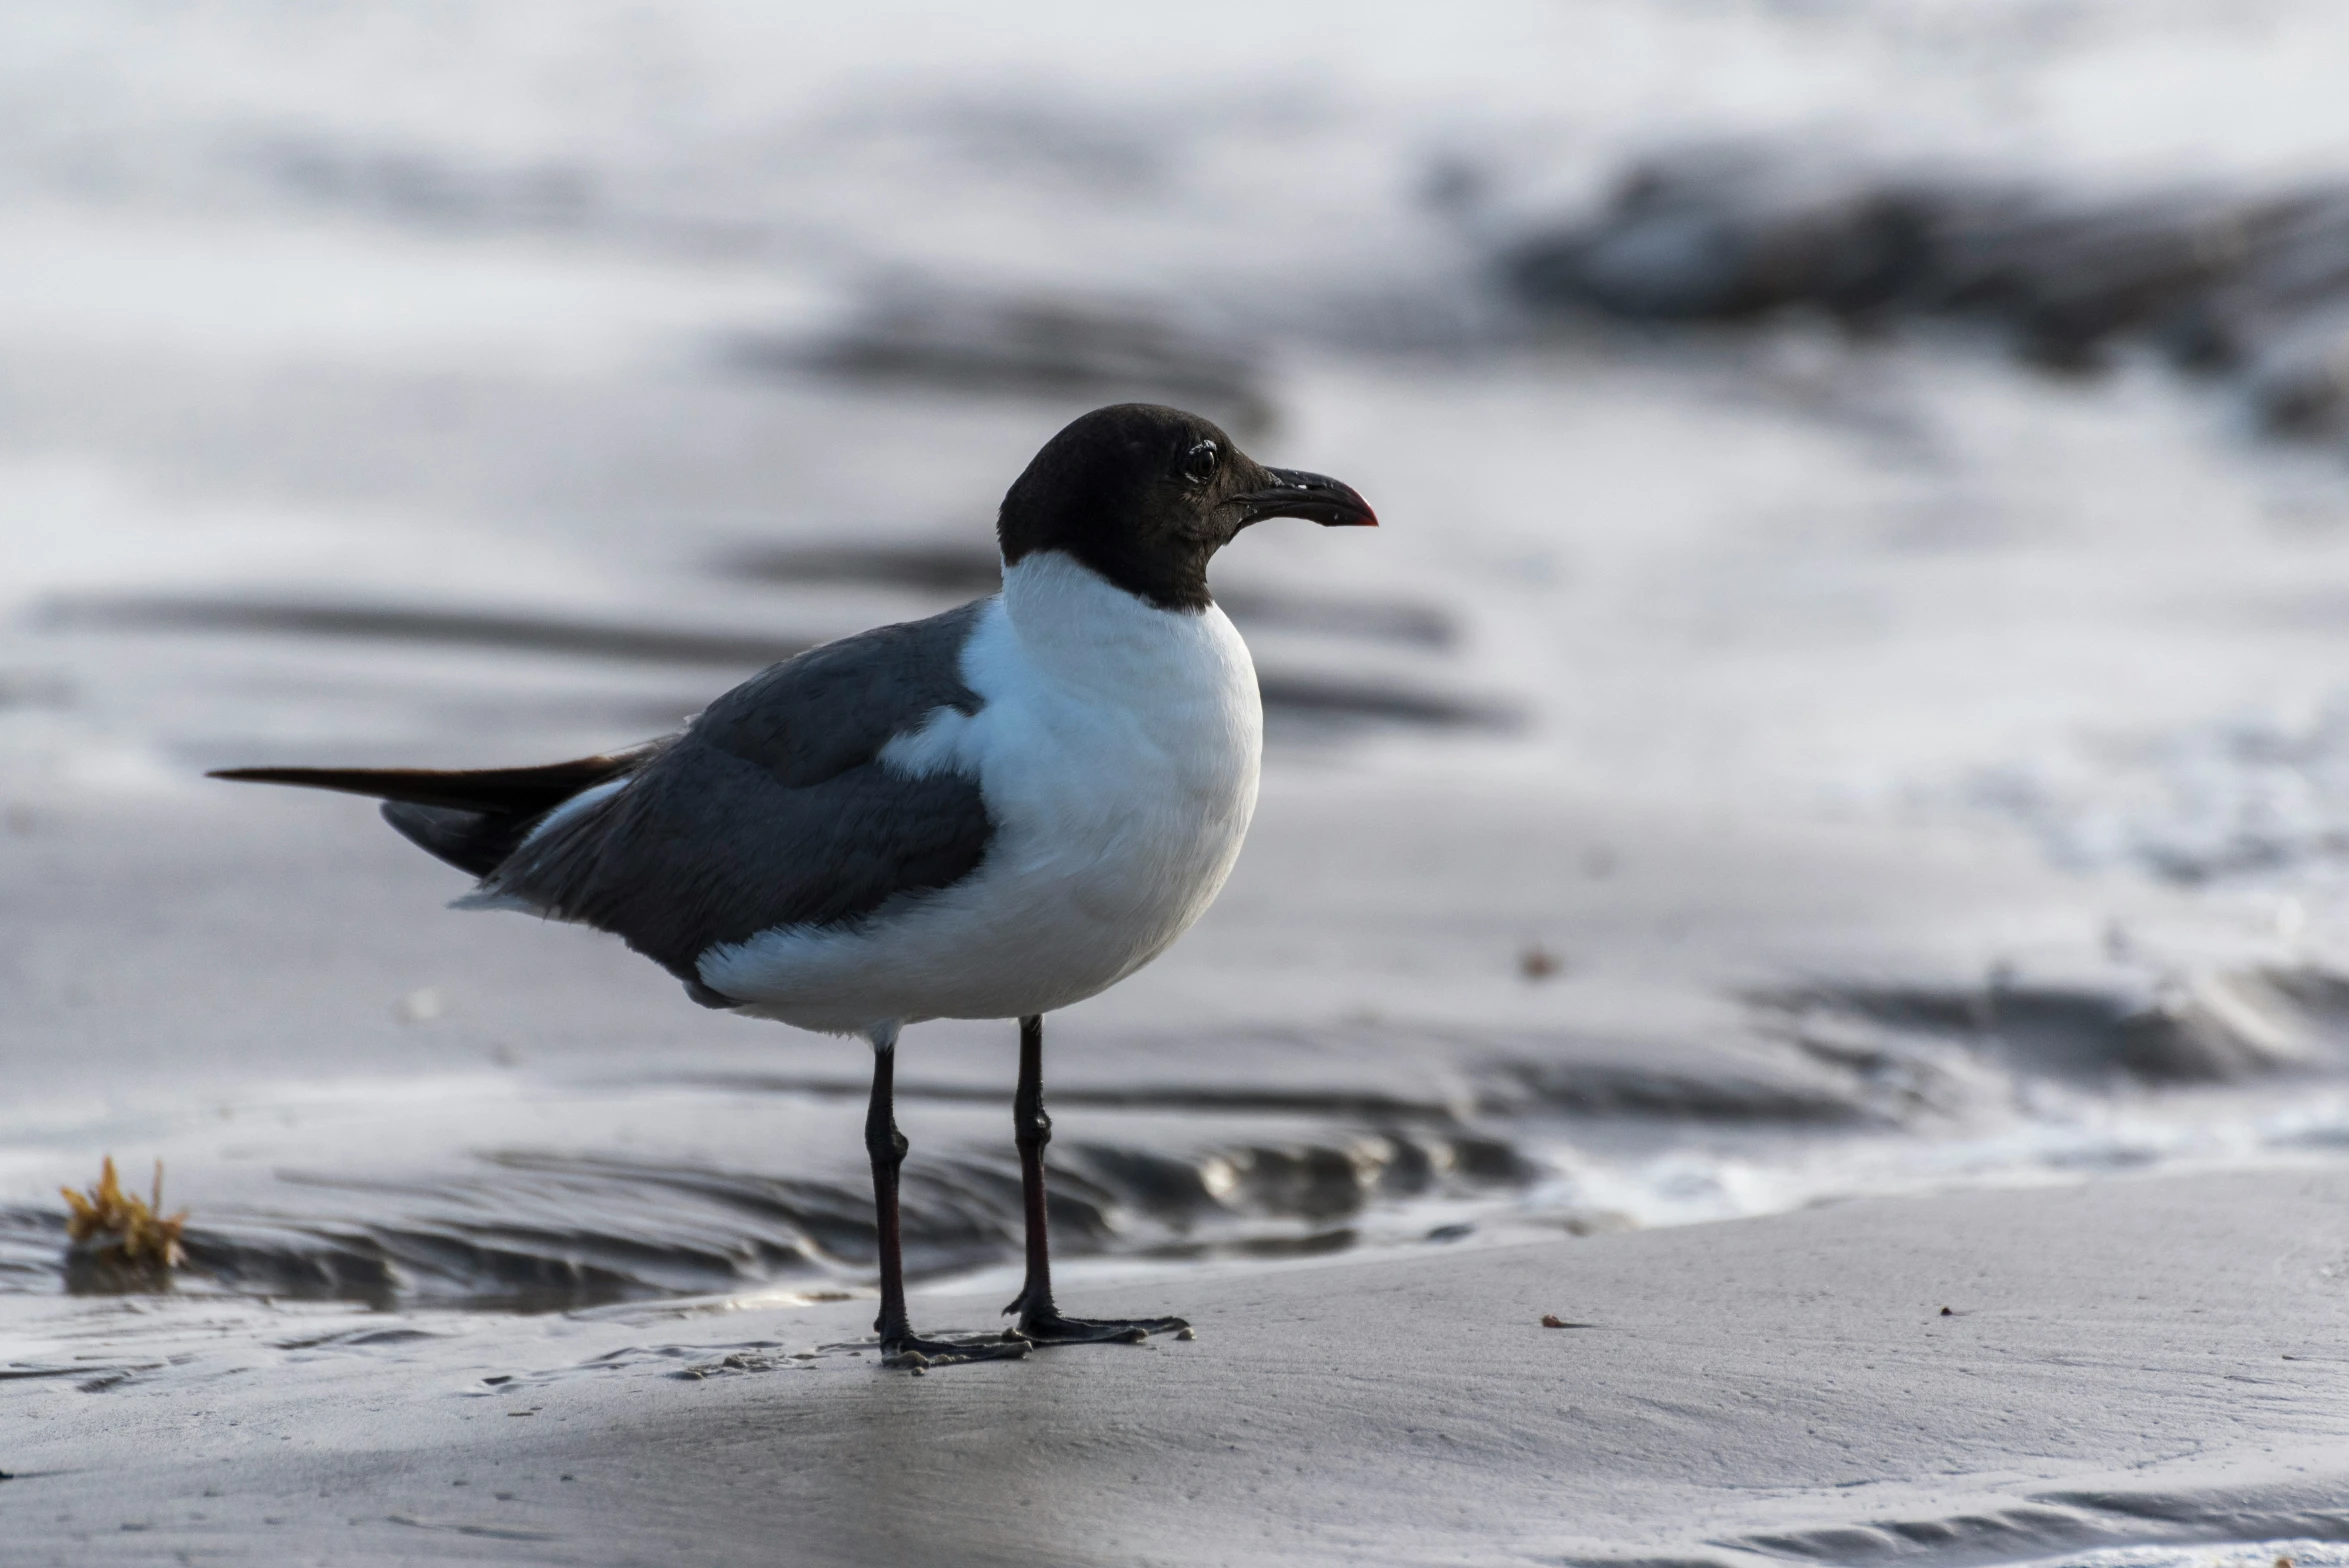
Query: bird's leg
[[900, 1346], [1039, 1319]]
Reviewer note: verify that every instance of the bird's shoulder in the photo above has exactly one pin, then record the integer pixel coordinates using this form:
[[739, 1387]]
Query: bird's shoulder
[[834, 707]]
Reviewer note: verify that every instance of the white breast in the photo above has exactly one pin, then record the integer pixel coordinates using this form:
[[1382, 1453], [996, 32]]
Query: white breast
[[1117, 749]]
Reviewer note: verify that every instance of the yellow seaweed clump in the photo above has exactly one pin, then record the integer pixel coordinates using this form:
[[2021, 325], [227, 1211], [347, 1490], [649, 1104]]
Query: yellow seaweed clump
[[121, 1241]]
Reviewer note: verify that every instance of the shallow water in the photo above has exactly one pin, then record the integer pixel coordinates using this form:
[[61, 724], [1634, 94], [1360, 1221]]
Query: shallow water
[[1751, 767]]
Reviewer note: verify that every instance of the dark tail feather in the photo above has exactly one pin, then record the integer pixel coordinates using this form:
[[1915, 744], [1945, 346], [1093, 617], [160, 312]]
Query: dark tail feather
[[474, 841], [528, 791], [473, 819]]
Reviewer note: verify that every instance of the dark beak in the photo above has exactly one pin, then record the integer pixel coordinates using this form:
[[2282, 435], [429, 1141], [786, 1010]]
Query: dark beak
[[1295, 493]]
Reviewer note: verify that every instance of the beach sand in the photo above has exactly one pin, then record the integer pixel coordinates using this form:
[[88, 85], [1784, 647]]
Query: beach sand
[[2134, 1362]]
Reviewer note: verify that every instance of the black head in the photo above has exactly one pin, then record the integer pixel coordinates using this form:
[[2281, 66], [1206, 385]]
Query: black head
[[1146, 495]]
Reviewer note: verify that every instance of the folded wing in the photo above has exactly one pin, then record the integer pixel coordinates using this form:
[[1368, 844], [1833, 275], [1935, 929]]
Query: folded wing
[[772, 809]]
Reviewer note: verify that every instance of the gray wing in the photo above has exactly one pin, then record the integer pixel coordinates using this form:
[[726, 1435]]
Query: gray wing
[[773, 809]]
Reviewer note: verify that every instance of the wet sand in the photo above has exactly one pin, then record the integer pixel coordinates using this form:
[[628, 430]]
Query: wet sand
[[363, 1095], [2130, 1363]]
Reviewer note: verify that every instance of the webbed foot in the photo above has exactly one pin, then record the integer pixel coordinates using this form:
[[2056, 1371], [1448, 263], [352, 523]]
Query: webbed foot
[[1051, 1328], [912, 1350]]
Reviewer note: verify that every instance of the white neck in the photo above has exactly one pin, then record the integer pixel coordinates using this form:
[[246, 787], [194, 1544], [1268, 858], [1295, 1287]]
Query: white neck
[[1082, 628]]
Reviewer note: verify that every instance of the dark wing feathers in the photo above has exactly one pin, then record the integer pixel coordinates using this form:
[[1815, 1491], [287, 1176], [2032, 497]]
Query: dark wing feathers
[[815, 717], [772, 809], [707, 848], [529, 791], [470, 818]]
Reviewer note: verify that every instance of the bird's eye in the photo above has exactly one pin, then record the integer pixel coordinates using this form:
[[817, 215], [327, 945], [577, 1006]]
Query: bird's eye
[[1199, 463]]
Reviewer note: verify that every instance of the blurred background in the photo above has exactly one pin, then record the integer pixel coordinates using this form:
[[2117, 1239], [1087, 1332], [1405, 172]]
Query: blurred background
[[1848, 697]]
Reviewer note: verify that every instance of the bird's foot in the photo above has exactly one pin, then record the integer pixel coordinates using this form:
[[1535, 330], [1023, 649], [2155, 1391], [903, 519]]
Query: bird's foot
[[1050, 1328], [915, 1352]]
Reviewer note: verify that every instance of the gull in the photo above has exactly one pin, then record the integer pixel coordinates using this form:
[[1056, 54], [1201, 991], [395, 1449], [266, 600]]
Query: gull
[[992, 813]]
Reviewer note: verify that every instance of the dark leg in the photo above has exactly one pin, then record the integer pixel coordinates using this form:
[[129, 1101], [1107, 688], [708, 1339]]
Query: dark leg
[[887, 1146], [1039, 1319]]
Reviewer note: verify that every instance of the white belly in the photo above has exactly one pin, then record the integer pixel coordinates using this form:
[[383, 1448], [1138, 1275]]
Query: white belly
[[1117, 749]]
